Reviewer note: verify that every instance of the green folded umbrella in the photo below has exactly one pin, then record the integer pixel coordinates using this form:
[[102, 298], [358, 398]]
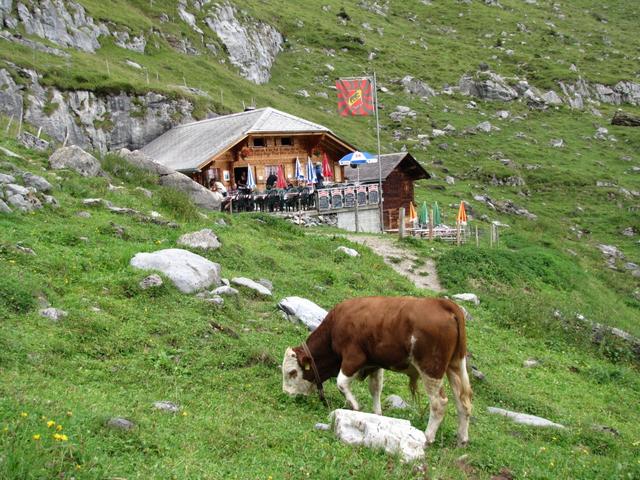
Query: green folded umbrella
[[423, 215], [437, 219]]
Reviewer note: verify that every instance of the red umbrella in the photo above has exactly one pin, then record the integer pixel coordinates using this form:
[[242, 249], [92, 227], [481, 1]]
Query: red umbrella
[[326, 169], [281, 182]]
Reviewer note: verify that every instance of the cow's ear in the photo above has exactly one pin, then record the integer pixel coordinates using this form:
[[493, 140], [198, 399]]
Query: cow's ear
[[304, 360]]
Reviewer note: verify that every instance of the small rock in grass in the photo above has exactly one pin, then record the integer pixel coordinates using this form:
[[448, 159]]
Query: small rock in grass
[[83, 214], [225, 290], [216, 300], [322, 426], [54, 314], [266, 283], [151, 281], [166, 406], [467, 297], [524, 418], [248, 283], [606, 429], [396, 401], [530, 362], [348, 251], [205, 239], [477, 373], [120, 423]]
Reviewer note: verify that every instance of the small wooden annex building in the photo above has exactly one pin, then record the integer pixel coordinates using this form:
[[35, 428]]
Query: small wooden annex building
[[399, 172], [262, 139]]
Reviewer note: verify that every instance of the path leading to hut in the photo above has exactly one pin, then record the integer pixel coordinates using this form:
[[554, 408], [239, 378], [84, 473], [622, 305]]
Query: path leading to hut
[[421, 271]]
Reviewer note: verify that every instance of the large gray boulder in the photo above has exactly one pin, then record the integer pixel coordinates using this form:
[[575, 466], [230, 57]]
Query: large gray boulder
[[300, 309], [10, 95], [198, 194], [143, 161], [75, 158], [393, 435], [36, 181], [188, 272], [252, 46]]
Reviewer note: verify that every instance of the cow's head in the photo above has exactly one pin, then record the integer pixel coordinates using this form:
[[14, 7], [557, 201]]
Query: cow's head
[[293, 367]]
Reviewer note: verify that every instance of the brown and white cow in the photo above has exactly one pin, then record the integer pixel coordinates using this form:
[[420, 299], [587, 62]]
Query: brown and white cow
[[422, 337]]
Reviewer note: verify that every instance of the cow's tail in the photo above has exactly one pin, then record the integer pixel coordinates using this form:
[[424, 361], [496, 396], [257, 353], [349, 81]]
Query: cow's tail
[[457, 371], [460, 351]]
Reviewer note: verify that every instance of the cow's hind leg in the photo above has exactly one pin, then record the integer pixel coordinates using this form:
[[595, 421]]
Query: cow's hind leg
[[437, 405], [376, 380], [459, 380]]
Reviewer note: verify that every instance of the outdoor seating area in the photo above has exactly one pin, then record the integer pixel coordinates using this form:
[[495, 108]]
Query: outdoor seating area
[[273, 200]]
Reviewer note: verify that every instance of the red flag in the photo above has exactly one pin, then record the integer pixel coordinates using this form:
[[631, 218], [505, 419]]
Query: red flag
[[355, 96]]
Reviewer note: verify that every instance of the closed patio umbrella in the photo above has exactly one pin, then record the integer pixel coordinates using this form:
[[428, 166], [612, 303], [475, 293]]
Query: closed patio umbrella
[[462, 215], [281, 182], [311, 173], [437, 219], [423, 214], [298, 174], [326, 168], [251, 181]]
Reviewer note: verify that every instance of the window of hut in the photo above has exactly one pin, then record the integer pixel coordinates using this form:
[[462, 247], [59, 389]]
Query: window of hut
[[259, 142], [286, 141]]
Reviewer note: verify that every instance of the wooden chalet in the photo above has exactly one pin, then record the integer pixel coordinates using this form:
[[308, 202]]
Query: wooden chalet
[[399, 172], [262, 139]]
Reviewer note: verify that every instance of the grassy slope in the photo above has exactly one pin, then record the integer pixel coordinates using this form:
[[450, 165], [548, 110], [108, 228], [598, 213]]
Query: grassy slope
[[117, 361]]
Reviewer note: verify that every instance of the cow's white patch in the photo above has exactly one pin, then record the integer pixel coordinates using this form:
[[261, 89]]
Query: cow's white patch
[[413, 344], [344, 385], [292, 381]]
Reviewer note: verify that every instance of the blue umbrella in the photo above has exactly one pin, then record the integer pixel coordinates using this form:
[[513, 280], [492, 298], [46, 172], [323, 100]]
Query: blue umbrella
[[311, 172], [358, 158], [299, 174], [251, 182]]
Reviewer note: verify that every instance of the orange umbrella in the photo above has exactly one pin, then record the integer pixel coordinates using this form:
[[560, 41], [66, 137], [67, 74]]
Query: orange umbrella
[[462, 215], [413, 215], [281, 182], [326, 168]]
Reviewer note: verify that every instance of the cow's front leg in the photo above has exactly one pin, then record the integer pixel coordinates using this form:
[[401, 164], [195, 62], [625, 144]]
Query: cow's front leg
[[344, 385], [376, 380]]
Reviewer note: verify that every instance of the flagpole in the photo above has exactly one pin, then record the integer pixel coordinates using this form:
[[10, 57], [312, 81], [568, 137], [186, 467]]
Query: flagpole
[[375, 90]]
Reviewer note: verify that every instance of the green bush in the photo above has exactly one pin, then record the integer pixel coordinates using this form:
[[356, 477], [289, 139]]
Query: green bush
[[178, 204]]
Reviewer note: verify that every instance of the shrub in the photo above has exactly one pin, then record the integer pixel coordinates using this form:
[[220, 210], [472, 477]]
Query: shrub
[[178, 204], [128, 173]]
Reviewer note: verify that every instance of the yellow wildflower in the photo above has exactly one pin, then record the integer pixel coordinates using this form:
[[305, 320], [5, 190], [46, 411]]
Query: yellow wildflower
[[5, 429], [60, 437], [36, 436], [69, 413], [78, 466], [58, 427], [184, 414], [24, 414], [50, 423]]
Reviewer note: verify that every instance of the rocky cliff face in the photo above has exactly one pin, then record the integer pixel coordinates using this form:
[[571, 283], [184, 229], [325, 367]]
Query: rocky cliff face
[[90, 121], [252, 46], [63, 23]]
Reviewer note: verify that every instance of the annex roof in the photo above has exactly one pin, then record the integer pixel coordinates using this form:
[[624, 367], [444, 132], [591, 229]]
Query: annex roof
[[187, 147], [389, 162]]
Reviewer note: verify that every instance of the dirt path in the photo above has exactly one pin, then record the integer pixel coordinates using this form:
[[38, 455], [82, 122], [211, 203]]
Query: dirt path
[[421, 271]]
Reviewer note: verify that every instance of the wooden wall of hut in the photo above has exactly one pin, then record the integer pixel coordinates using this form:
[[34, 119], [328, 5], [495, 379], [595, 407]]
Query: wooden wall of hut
[[397, 192], [269, 152]]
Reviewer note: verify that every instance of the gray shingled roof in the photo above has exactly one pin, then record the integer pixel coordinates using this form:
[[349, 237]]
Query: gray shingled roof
[[369, 171], [186, 147]]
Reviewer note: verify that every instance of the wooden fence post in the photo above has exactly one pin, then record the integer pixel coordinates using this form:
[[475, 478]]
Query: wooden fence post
[[458, 234], [401, 222], [477, 241]]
